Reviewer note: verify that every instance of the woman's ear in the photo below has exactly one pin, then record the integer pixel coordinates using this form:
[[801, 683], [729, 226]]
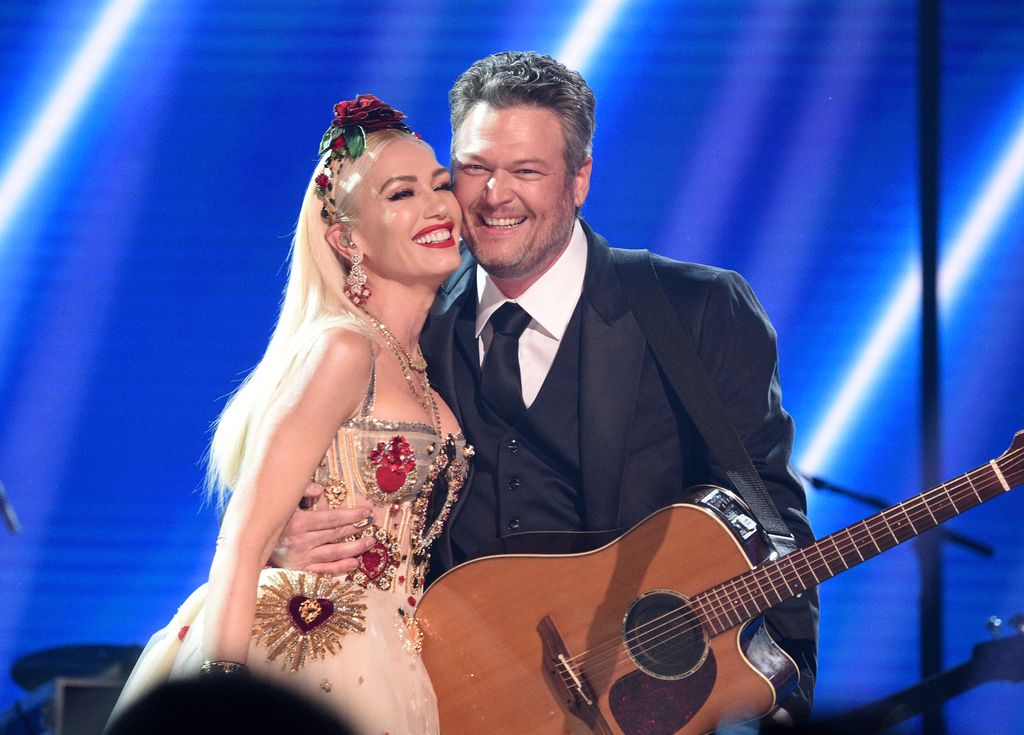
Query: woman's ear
[[338, 236]]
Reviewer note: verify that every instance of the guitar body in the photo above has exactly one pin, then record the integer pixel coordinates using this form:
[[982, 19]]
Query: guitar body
[[655, 633], [493, 629]]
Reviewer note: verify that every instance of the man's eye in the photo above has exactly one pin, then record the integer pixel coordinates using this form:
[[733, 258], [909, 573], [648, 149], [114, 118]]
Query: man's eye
[[472, 168]]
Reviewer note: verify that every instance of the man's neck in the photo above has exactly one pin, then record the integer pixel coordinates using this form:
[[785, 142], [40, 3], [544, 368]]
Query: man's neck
[[513, 288]]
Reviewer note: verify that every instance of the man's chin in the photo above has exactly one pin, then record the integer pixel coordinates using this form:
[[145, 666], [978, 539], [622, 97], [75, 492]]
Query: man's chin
[[503, 271], [488, 255]]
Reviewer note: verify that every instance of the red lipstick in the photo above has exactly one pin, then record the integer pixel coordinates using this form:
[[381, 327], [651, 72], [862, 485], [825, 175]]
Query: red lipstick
[[447, 243]]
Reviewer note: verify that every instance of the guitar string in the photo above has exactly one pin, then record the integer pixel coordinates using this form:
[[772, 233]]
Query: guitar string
[[667, 626], [888, 522], [954, 486], [950, 488]]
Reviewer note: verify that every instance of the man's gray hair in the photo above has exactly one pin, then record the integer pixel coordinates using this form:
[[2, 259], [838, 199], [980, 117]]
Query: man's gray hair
[[526, 78]]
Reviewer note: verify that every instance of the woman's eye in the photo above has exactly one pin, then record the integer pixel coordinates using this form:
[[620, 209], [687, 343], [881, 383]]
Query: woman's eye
[[446, 186], [403, 194]]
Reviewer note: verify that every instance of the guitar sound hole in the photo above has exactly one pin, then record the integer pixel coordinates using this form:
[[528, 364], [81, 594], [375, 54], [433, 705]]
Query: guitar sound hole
[[662, 636]]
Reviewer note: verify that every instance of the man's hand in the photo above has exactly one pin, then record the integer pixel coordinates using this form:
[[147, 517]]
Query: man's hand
[[313, 541]]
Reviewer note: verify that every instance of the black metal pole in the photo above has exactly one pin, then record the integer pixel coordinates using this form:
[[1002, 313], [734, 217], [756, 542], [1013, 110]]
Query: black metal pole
[[929, 545]]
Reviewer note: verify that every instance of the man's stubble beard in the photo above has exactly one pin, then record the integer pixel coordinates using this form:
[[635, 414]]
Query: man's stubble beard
[[530, 255]]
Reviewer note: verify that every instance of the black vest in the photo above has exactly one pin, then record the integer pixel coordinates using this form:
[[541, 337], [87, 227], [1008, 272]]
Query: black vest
[[526, 477]]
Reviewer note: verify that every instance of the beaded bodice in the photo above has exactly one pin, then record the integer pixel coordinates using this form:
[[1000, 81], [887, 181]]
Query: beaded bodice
[[410, 475]]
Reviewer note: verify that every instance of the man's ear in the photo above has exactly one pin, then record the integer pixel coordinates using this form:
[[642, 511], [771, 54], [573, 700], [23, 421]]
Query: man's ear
[[581, 182]]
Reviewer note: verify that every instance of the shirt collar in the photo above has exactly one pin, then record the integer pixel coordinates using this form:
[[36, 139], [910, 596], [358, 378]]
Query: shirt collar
[[551, 299]]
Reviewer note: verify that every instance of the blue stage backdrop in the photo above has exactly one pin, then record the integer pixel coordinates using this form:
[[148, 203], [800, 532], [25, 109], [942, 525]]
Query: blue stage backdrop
[[153, 157]]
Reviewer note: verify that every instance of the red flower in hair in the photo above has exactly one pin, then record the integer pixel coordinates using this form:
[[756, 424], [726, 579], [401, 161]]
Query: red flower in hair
[[368, 111], [322, 181]]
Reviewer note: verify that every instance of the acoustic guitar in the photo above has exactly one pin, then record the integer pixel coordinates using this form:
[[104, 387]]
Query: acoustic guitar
[[659, 632]]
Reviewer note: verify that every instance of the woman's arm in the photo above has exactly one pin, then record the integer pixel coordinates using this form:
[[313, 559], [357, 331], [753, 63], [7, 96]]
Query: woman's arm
[[287, 449]]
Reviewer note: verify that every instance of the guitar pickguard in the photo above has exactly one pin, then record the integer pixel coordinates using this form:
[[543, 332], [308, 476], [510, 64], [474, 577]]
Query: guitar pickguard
[[644, 705]]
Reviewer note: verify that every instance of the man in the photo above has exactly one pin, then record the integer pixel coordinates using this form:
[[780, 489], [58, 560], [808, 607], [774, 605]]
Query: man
[[590, 436]]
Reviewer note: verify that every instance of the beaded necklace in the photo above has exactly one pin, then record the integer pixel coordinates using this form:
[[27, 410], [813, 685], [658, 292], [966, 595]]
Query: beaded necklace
[[409, 365]]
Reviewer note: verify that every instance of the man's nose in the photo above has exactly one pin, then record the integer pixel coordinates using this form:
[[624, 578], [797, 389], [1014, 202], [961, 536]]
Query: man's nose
[[498, 189]]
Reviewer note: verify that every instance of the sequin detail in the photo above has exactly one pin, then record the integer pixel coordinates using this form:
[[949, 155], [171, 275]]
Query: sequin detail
[[304, 616], [390, 469], [377, 565]]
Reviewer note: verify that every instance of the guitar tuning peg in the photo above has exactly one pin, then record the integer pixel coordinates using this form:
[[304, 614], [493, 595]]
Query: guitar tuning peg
[[994, 626], [1017, 623]]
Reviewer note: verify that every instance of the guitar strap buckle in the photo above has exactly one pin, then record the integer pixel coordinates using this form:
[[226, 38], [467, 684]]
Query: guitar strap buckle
[[781, 545]]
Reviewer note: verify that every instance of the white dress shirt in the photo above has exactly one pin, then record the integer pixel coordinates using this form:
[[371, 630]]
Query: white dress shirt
[[550, 302]]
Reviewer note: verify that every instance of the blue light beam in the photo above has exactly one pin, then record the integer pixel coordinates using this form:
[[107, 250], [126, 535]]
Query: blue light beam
[[964, 253], [62, 109], [590, 28]]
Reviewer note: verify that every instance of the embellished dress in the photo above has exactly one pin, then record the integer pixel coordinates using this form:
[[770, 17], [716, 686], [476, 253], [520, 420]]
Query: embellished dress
[[350, 642]]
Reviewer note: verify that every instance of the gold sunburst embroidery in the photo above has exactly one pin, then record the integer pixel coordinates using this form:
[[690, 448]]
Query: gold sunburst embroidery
[[304, 615]]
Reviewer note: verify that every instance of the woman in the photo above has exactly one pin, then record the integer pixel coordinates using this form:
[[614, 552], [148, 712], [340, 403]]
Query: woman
[[341, 397]]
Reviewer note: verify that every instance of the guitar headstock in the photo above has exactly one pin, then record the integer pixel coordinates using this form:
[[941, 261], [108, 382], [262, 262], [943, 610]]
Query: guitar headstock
[[1011, 462], [1002, 658]]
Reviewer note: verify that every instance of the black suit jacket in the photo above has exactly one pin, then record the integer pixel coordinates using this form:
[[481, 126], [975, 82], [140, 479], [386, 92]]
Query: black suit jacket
[[639, 451]]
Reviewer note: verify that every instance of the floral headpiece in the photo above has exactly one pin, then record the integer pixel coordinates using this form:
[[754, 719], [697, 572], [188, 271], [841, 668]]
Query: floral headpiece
[[346, 138]]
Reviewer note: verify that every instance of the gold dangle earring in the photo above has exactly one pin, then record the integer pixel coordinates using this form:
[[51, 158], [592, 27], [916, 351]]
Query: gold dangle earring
[[357, 291]]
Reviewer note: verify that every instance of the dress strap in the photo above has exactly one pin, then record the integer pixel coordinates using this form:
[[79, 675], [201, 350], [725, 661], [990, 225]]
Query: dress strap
[[366, 410]]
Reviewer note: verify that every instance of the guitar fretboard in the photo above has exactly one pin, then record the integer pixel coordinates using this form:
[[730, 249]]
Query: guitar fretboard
[[748, 595]]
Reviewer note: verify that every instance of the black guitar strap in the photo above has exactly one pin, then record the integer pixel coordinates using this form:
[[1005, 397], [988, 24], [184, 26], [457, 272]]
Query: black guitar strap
[[676, 354]]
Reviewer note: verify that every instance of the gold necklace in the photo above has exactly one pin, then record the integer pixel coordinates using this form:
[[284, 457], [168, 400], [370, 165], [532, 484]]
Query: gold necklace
[[416, 362], [424, 395]]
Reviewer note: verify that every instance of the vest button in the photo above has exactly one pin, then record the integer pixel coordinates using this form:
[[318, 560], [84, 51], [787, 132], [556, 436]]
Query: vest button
[[513, 445], [514, 483], [513, 524]]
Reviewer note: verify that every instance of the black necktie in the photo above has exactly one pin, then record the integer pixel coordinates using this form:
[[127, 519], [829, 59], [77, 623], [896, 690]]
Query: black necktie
[[500, 381]]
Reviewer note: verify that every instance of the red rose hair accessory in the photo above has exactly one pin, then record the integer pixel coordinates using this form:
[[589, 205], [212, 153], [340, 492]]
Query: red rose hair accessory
[[346, 138]]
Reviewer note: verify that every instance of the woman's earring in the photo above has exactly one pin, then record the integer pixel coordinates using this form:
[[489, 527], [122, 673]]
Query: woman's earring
[[357, 291]]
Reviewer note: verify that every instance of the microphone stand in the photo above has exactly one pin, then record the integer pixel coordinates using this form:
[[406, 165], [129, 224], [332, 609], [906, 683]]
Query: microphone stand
[[933, 718], [874, 501]]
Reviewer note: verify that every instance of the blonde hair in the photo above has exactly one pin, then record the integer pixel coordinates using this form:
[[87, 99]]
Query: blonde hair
[[313, 302]]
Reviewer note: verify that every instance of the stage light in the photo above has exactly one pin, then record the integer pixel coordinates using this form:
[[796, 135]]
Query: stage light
[[976, 233], [589, 30], [878, 350], [65, 103], [964, 253]]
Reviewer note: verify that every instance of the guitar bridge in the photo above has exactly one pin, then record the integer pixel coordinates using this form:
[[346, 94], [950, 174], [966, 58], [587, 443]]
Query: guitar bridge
[[567, 680], [577, 683]]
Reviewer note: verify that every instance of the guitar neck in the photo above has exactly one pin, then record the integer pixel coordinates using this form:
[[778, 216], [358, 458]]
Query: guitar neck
[[748, 595]]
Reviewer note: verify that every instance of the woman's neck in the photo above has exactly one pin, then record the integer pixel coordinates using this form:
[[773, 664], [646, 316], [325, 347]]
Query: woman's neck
[[403, 311]]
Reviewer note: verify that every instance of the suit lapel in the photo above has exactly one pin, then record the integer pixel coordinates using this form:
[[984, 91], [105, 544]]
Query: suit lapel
[[443, 336], [439, 338], [611, 356]]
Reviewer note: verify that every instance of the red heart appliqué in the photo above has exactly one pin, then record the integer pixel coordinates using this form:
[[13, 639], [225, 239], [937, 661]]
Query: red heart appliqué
[[389, 480], [308, 613], [374, 560]]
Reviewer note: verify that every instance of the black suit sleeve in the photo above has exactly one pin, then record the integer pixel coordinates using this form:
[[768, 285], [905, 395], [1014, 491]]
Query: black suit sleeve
[[737, 344]]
